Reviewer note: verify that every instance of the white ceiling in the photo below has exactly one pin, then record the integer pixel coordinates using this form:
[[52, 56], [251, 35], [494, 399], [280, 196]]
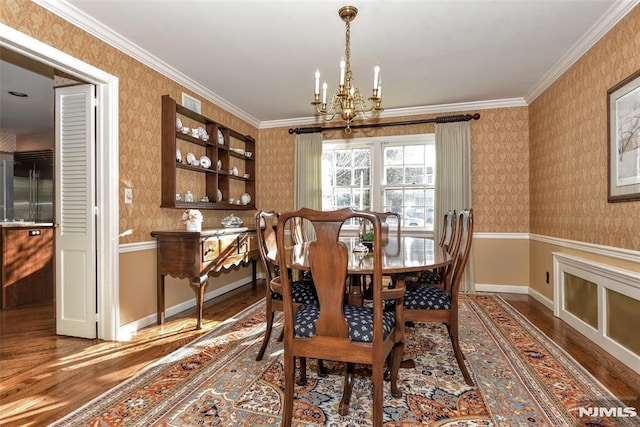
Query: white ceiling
[[258, 58], [31, 114]]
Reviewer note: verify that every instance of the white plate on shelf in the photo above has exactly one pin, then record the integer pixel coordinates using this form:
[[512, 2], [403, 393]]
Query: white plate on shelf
[[205, 162], [245, 198], [219, 195], [191, 159], [220, 137]]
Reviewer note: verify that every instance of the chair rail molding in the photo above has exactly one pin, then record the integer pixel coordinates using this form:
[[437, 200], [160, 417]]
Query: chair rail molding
[[502, 236], [608, 251]]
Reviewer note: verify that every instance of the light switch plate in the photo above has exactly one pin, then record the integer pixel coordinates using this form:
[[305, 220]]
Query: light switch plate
[[128, 196]]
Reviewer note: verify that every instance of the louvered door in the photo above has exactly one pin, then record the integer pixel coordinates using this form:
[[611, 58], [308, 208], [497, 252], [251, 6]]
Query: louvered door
[[75, 202]]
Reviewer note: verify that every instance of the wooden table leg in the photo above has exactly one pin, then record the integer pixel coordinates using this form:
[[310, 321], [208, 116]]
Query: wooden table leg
[[199, 288], [354, 294], [160, 298]]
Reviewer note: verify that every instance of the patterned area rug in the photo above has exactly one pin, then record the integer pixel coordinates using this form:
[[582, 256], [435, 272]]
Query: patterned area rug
[[522, 378]]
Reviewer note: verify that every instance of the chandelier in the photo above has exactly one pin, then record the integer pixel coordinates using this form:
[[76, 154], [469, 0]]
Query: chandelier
[[347, 101]]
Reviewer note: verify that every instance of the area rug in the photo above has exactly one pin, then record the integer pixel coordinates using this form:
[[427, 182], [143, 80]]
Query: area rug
[[522, 379]]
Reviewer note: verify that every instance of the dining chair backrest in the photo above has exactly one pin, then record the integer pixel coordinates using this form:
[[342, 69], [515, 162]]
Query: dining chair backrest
[[460, 251], [328, 261], [266, 226], [448, 230], [388, 220], [298, 231]]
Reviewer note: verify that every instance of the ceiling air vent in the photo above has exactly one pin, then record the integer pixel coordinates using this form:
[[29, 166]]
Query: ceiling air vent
[[191, 103]]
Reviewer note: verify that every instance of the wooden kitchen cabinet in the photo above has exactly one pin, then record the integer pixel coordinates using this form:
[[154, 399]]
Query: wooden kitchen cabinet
[[27, 265]]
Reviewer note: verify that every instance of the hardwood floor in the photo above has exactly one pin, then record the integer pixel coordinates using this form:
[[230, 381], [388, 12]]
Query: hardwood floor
[[44, 376]]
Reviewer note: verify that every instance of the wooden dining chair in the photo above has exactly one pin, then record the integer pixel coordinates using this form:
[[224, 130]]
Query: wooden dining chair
[[426, 303], [388, 219], [298, 232], [448, 230], [447, 242], [303, 292], [334, 330], [359, 285]]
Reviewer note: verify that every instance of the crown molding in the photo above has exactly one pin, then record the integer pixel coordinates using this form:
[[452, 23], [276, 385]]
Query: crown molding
[[615, 13], [83, 21], [409, 111], [102, 32]]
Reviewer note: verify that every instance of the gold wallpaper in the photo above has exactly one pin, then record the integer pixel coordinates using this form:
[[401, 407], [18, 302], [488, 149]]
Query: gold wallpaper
[[35, 141], [546, 162], [568, 146], [140, 112], [500, 166], [7, 142]]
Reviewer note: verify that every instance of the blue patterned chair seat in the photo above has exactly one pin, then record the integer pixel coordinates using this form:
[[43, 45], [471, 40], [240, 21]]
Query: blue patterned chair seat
[[425, 297], [304, 292], [429, 277], [360, 320]]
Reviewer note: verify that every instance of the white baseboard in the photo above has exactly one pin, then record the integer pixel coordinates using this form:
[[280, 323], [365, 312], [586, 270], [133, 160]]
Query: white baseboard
[[125, 332], [507, 289], [541, 298], [515, 289]]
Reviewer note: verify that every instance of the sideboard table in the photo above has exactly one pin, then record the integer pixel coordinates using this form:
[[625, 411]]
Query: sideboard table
[[196, 254]]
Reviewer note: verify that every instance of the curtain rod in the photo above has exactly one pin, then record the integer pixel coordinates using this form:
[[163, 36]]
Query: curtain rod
[[443, 119]]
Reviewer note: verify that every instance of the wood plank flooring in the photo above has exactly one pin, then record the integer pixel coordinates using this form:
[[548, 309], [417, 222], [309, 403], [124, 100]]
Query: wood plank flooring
[[44, 376]]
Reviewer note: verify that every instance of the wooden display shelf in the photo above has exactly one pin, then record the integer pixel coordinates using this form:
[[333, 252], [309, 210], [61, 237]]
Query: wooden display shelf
[[213, 178]]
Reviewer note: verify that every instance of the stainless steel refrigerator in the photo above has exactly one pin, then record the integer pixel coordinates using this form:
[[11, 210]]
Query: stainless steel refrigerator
[[6, 186], [33, 186]]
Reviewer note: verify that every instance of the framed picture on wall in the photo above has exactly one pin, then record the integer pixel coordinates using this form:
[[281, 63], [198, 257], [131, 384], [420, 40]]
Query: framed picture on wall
[[624, 140]]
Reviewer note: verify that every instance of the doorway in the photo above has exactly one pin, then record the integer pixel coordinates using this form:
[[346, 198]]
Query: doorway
[[106, 160]]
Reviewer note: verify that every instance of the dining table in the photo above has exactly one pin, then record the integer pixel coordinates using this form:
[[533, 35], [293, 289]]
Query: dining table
[[400, 255]]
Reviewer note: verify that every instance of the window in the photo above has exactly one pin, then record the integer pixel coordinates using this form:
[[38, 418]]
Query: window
[[394, 174]]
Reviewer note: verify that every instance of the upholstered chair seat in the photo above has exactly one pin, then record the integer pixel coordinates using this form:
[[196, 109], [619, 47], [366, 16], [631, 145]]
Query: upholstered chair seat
[[425, 297], [429, 277], [303, 292], [359, 319]]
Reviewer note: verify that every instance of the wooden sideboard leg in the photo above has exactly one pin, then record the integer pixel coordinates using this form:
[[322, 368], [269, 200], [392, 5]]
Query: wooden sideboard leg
[[199, 288], [160, 298]]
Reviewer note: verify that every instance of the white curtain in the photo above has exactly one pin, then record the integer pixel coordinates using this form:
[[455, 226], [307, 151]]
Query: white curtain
[[453, 180], [308, 174]]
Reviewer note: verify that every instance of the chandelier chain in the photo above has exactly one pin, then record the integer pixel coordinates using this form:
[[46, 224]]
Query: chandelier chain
[[347, 101]]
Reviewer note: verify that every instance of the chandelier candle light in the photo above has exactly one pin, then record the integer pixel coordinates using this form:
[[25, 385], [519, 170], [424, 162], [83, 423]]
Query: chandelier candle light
[[347, 102]]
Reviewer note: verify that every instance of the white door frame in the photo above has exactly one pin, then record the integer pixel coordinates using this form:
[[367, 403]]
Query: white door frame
[[107, 164]]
